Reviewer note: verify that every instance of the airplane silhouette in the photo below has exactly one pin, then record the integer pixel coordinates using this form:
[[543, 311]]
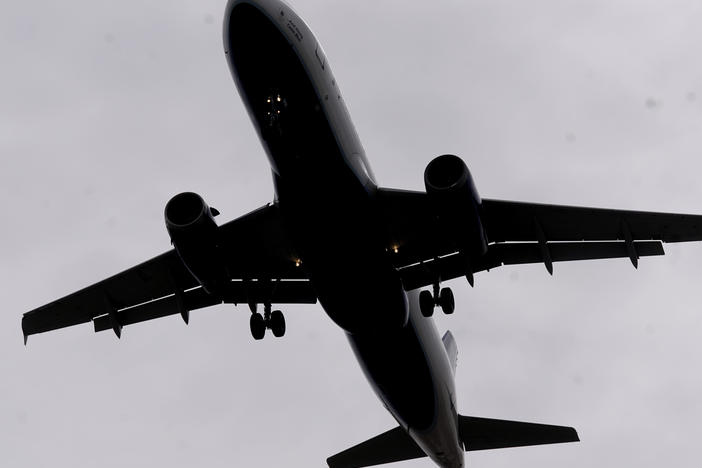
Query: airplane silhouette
[[333, 235]]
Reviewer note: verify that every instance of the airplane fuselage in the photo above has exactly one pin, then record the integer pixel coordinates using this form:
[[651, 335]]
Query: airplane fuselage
[[326, 194]]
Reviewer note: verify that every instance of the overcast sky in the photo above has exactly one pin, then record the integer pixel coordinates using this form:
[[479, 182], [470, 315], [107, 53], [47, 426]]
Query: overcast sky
[[107, 109]]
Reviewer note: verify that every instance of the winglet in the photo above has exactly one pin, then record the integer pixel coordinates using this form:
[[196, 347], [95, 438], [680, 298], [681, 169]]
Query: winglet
[[25, 339]]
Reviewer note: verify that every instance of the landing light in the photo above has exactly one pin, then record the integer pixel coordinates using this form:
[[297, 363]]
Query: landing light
[[396, 248], [298, 262]]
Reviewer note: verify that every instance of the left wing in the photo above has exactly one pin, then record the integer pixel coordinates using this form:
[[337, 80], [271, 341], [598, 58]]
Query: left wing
[[520, 232], [259, 262]]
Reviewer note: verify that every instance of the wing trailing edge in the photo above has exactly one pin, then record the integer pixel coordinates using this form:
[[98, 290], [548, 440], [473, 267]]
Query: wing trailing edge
[[517, 253]]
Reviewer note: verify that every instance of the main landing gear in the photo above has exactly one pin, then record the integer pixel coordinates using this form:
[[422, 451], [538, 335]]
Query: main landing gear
[[441, 297], [272, 320]]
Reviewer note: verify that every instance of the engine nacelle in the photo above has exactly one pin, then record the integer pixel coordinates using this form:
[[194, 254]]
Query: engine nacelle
[[194, 234], [456, 203]]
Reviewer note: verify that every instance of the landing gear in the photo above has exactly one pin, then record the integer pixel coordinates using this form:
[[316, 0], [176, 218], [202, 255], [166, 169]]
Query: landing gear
[[426, 303], [442, 297], [258, 326], [272, 320], [277, 323], [446, 301]]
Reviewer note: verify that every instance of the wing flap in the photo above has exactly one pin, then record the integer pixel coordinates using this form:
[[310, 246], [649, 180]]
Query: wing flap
[[455, 266], [238, 292], [515, 254]]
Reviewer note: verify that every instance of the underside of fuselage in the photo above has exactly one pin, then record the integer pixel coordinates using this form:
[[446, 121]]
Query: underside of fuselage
[[327, 205], [330, 214]]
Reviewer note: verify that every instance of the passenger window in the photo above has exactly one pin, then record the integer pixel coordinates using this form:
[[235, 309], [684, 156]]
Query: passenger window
[[320, 56]]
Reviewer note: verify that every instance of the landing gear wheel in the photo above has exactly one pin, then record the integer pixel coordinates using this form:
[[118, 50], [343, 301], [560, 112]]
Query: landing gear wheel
[[426, 303], [277, 324], [258, 326], [446, 301]]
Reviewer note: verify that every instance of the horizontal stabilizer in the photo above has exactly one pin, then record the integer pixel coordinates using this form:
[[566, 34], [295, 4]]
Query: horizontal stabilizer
[[392, 446], [485, 434]]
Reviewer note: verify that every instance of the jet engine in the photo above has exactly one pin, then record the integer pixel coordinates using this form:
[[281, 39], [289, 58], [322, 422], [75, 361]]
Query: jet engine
[[456, 203], [194, 234]]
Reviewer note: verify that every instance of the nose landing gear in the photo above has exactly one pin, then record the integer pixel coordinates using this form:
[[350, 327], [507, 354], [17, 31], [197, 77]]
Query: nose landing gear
[[441, 297], [272, 320]]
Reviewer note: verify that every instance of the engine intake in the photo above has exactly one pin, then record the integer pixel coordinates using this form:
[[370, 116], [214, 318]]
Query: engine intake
[[194, 234], [456, 203]]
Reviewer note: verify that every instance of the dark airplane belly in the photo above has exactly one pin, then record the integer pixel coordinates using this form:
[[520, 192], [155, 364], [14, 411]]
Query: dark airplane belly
[[396, 367], [336, 236]]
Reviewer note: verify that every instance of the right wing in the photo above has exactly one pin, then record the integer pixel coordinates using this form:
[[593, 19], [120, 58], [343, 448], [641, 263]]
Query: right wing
[[521, 232], [258, 259], [511, 221]]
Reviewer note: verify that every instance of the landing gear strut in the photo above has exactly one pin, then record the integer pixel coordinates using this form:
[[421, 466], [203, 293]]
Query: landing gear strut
[[272, 320], [441, 297]]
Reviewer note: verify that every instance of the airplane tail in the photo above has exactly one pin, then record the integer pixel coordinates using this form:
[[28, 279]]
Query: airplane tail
[[475, 433]]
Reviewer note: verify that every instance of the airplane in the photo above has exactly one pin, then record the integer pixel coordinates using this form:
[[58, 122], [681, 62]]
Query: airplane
[[332, 235]]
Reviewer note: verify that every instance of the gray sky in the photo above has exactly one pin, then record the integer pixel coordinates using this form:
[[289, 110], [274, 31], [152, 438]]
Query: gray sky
[[107, 109]]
